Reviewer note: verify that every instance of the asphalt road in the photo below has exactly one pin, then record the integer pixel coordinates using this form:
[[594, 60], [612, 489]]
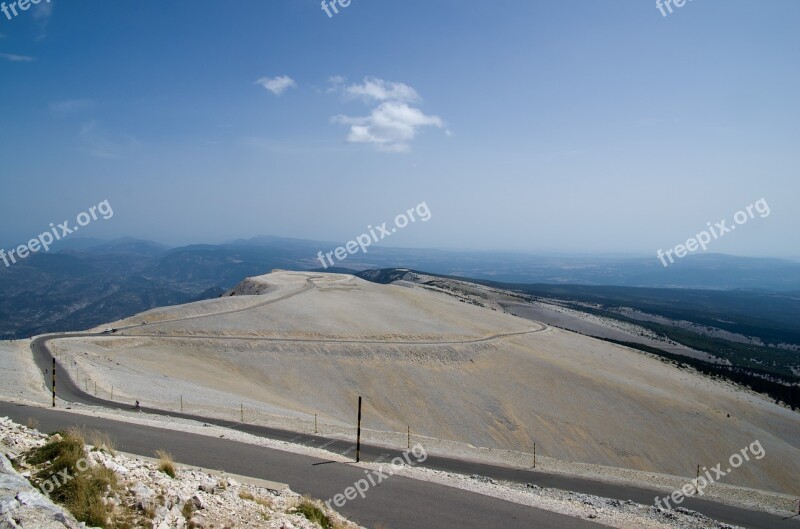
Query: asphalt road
[[68, 391]]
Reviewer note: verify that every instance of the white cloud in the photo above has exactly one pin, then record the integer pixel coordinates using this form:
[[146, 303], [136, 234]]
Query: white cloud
[[394, 123], [42, 13], [70, 106], [16, 58], [336, 82], [96, 142], [390, 127], [43, 10], [373, 89], [277, 85]]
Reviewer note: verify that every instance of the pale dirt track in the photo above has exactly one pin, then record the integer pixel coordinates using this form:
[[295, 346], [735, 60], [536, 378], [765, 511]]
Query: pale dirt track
[[486, 339]]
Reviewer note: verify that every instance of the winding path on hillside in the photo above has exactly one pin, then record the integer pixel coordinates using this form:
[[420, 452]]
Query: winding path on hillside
[[307, 286], [485, 339]]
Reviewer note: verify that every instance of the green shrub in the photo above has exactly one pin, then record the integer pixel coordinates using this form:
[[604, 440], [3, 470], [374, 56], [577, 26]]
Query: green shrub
[[314, 514]]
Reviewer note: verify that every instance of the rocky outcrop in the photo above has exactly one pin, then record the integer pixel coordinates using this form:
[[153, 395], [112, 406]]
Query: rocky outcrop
[[143, 494], [23, 506]]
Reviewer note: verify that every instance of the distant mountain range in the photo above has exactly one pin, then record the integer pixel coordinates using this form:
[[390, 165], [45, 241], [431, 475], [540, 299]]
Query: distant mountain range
[[86, 282]]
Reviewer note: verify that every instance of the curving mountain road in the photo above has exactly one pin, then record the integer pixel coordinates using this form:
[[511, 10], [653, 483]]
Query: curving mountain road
[[396, 511]]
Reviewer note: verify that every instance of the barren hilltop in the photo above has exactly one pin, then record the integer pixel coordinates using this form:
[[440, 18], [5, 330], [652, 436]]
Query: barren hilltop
[[292, 345]]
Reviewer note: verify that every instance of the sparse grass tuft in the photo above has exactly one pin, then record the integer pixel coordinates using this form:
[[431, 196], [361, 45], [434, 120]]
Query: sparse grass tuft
[[101, 441], [78, 434], [188, 510], [165, 463], [63, 450], [83, 495], [149, 512], [245, 495], [314, 514]]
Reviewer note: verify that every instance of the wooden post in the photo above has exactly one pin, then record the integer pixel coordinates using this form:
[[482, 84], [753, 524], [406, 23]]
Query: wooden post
[[242, 404], [358, 437], [181, 403], [534, 455], [315, 424], [95, 388], [86, 382], [697, 478], [409, 436], [112, 392], [54, 382]]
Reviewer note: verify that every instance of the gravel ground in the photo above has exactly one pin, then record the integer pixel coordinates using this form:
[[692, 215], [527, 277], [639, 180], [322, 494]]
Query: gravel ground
[[21, 378], [206, 394]]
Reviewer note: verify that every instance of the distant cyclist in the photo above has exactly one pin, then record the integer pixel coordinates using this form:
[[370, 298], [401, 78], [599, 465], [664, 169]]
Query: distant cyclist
[[137, 407]]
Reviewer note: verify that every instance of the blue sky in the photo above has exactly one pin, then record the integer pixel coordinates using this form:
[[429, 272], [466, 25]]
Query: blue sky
[[574, 126]]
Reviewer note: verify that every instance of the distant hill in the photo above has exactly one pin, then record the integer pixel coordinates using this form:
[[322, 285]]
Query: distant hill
[[85, 282]]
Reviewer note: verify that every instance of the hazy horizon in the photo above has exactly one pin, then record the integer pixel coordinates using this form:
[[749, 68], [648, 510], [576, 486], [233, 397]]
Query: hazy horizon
[[572, 127], [489, 251]]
